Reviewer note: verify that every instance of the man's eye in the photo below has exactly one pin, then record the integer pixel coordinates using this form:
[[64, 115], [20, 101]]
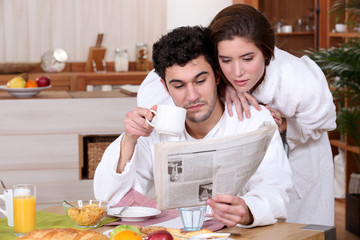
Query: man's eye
[[178, 86], [200, 81]]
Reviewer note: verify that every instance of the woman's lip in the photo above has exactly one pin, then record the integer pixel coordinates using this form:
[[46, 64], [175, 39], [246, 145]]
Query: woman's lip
[[241, 82]]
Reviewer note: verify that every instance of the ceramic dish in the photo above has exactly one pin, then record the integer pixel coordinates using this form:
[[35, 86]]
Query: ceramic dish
[[23, 92], [134, 213]]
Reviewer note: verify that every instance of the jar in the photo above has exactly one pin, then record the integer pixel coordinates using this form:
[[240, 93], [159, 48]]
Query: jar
[[142, 54], [54, 61], [121, 60]]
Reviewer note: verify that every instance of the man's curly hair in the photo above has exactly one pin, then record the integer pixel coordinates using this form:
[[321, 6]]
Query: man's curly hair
[[180, 46]]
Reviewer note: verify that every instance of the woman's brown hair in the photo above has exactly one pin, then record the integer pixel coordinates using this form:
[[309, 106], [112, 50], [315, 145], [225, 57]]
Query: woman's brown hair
[[241, 20]]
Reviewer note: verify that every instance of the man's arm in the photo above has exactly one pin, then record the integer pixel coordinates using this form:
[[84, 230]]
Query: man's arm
[[135, 127], [116, 173]]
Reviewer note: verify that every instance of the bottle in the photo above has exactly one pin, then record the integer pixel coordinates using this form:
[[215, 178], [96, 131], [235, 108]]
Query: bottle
[[142, 54], [121, 60]]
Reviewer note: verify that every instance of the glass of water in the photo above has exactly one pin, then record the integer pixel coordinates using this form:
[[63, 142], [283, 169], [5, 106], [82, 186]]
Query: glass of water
[[193, 217]]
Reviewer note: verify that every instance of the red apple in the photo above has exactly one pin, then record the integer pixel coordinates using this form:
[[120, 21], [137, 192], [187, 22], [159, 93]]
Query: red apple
[[43, 81], [159, 235]]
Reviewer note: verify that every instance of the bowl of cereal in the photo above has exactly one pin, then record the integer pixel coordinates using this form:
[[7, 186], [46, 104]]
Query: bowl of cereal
[[86, 214]]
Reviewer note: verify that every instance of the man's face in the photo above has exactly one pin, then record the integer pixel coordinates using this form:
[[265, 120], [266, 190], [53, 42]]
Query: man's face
[[194, 88]]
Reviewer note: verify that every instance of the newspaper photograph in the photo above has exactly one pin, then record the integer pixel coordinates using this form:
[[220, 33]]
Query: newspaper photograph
[[188, 173]]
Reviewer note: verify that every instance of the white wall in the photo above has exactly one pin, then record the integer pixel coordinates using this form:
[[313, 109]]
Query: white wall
[[193, 12]]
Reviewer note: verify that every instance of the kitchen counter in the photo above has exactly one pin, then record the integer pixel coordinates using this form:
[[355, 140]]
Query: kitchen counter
[[49, 94], [77, 81], [41, 139]]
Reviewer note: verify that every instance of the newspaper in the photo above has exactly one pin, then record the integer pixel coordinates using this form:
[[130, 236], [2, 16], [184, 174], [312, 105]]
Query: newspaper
[[188, 173]]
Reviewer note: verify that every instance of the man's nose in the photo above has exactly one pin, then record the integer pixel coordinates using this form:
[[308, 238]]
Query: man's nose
[[192, 93]]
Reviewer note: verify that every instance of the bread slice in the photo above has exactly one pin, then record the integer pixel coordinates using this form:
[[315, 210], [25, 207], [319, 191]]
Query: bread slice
[[63, 234]]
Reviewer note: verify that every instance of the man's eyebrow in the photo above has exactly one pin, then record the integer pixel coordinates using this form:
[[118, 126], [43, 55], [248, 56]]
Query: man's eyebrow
[[195, 77], [244, 55]]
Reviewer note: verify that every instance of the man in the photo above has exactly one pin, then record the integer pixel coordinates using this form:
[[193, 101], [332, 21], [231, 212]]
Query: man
[[183, 59]]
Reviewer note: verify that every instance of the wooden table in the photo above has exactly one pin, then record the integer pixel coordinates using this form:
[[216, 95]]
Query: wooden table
[[278, 231]]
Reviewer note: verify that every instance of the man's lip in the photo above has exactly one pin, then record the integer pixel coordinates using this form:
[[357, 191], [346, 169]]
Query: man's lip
[[241, 82], [194, 107]]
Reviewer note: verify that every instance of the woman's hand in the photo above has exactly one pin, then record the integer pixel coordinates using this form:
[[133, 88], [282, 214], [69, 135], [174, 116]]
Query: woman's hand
[[241, 102], [280, 122], [230, 210]]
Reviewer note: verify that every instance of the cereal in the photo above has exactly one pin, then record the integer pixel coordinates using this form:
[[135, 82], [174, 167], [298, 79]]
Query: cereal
[[88, 215]]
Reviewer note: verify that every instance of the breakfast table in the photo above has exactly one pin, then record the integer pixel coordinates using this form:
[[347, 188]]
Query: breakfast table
[[278, 231]]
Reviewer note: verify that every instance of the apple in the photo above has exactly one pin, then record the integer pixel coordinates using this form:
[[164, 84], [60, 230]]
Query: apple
[[124, 227], [43, 81], [159, 235]]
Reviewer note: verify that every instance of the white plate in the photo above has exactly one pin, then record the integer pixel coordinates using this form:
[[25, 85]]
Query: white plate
[[134, 213], [108, 232], [23, 92], [216, 236]]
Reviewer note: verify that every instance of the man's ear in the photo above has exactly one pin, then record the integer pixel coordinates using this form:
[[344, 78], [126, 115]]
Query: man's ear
[[164, 85], [217, 77]]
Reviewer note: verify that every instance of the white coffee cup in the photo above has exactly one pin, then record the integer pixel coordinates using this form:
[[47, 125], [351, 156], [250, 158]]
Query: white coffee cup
[[7, 196], [286, 29], [340, 27], [168, 120]]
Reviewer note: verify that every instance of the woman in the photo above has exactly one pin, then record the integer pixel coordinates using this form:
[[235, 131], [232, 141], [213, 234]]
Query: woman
[[244, 43]]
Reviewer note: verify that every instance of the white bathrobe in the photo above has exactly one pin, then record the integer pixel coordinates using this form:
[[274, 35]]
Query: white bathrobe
[[266, 193], [298, 89]]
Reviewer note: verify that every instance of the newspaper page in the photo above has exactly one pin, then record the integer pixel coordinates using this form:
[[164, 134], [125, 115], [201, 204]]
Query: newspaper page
[[188, 173]]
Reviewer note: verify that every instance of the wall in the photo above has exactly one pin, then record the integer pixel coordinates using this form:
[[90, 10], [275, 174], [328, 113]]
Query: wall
[[190, 12], [30, 28]]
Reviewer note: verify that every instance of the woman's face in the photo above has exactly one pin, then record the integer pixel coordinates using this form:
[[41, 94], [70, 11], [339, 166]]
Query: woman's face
[[242, 63]]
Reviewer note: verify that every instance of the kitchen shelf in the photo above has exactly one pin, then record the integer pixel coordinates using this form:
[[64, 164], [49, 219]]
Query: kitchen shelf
[[344, 145], [345, 35], [296, 34]]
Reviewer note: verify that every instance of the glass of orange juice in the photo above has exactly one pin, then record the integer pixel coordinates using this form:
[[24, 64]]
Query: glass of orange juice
[[24, 204]]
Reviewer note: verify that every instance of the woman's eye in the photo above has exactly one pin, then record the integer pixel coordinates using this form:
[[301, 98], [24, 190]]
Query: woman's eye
[[247, 59], [225, 60]]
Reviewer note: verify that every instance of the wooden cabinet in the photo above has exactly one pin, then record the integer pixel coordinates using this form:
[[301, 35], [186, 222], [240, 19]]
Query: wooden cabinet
[[301, 16], [333, 37], [345, 143]]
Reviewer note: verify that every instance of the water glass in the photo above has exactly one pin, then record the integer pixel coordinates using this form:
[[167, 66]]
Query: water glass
[[193, 217]]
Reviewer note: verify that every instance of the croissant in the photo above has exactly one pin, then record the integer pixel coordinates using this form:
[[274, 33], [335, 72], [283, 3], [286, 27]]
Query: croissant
[[63, 234]]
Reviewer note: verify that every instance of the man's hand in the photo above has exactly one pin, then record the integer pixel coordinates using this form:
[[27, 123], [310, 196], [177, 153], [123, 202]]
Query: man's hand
[[230, 210], [135, 127], [241, 102]]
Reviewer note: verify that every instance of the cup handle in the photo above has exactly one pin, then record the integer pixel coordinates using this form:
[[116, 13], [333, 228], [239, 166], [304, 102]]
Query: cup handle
[[147, 121], [1, 210]]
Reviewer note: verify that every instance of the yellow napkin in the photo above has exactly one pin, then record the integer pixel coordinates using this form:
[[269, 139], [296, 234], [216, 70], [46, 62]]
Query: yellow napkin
[[45, 220]]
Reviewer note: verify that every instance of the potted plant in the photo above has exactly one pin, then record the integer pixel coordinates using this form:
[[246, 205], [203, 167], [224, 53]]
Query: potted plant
[[341, 65]]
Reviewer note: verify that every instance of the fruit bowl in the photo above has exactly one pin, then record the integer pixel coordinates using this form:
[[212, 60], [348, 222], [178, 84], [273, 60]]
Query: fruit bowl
[[86, 213], [23, 92]]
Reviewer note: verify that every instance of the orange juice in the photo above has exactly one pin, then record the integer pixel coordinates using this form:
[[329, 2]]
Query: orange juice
[[24, 214]]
